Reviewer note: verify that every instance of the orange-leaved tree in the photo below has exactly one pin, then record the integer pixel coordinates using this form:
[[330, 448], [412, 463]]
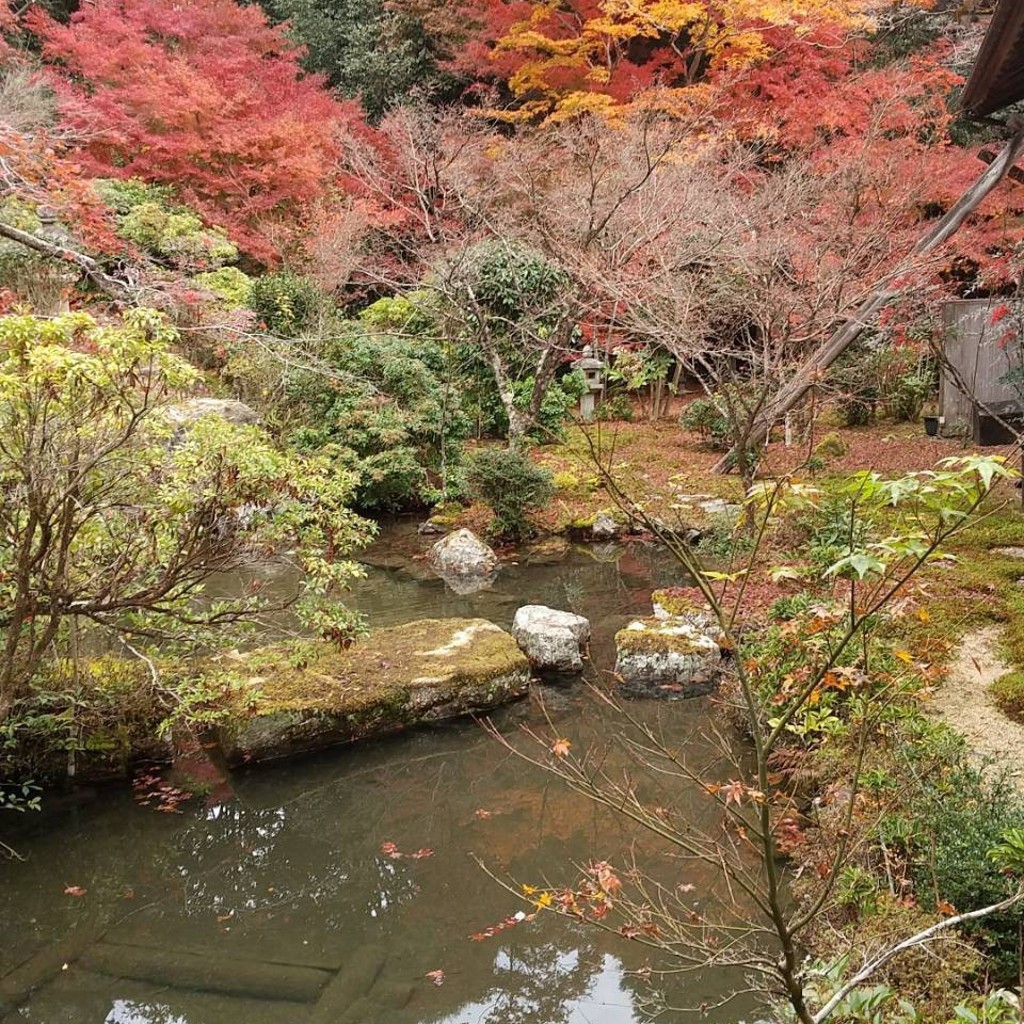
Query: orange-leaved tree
[[205, 95], [559, 59]]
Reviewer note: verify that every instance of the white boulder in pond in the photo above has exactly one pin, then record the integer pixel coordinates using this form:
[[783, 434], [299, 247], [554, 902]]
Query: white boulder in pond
[[552, 640], [462, 553], [604, 527], [666, 658]]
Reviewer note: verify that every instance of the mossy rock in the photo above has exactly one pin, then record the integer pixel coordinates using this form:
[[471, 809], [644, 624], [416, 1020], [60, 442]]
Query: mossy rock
[[668, 658], [421, 672], [679, 602]]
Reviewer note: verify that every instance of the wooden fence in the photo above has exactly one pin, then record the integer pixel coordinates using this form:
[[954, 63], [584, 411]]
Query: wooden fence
[[973, 380]]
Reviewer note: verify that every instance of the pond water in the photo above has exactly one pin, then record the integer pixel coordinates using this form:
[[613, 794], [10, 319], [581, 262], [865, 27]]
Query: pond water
[[279, 873]]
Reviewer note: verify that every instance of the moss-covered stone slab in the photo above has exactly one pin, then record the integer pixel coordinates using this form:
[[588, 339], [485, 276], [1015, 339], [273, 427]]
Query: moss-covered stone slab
[[420, 672], [667, 658]]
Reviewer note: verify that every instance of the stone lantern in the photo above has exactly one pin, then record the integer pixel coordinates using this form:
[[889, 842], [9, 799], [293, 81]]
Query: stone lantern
[[593, 371]]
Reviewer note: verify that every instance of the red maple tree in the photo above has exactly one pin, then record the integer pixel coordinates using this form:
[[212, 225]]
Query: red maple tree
[[205, 95]]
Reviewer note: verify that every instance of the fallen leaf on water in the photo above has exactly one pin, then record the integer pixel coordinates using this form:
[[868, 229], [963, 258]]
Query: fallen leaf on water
[[560, 748], [75, 890], [437, 977]]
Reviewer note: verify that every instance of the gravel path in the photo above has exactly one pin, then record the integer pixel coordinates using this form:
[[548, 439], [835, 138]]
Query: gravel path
[[964, 703]]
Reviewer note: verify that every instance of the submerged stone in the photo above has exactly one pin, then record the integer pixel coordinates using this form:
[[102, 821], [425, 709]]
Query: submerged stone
[[666, 658], [553, 640], [424, 671]]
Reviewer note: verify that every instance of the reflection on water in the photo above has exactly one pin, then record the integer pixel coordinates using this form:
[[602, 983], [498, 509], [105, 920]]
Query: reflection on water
[[291, 872]]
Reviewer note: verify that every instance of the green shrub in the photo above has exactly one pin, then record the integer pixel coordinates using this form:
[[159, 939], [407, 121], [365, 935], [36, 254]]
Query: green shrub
[[900, 379], [831, 446], [229, 283], [408, 314], [909, 393], [790, 606], [704, 416], [1008, 693], [387, 414], [617, 406], [560, 399], [512, 485], [958, 819], [286, 303], [835, 530], [722, 539], [168, 232]]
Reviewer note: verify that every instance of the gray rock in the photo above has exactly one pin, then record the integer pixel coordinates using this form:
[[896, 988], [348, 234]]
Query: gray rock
[[431, 528], [553, 640], [462, 553], [720, 507], [227, 409], [667, 658], [604, 527]]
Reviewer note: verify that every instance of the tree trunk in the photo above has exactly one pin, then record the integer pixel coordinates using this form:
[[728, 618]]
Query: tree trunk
[[110, 286], [864, 315]]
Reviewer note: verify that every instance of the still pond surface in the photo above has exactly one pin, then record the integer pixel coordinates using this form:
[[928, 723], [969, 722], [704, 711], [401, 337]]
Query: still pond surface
[[281, 868]]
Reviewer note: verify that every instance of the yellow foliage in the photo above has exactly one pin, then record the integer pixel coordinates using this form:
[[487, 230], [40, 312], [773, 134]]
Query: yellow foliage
[[702, 34]]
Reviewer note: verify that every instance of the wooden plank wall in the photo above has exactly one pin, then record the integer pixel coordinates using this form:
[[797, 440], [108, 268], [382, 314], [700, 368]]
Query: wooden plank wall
[[971, 345]]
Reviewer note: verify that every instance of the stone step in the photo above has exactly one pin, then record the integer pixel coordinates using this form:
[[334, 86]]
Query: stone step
[[350, 986], [196, 972], [18, 984]]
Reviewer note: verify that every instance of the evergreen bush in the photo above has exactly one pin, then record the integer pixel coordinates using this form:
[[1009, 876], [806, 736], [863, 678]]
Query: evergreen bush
[[513, 486]]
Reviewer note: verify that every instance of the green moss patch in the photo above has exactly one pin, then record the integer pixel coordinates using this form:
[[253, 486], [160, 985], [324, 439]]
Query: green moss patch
[[680, 601], [1008, 694], [660, 636], [420, 672]]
